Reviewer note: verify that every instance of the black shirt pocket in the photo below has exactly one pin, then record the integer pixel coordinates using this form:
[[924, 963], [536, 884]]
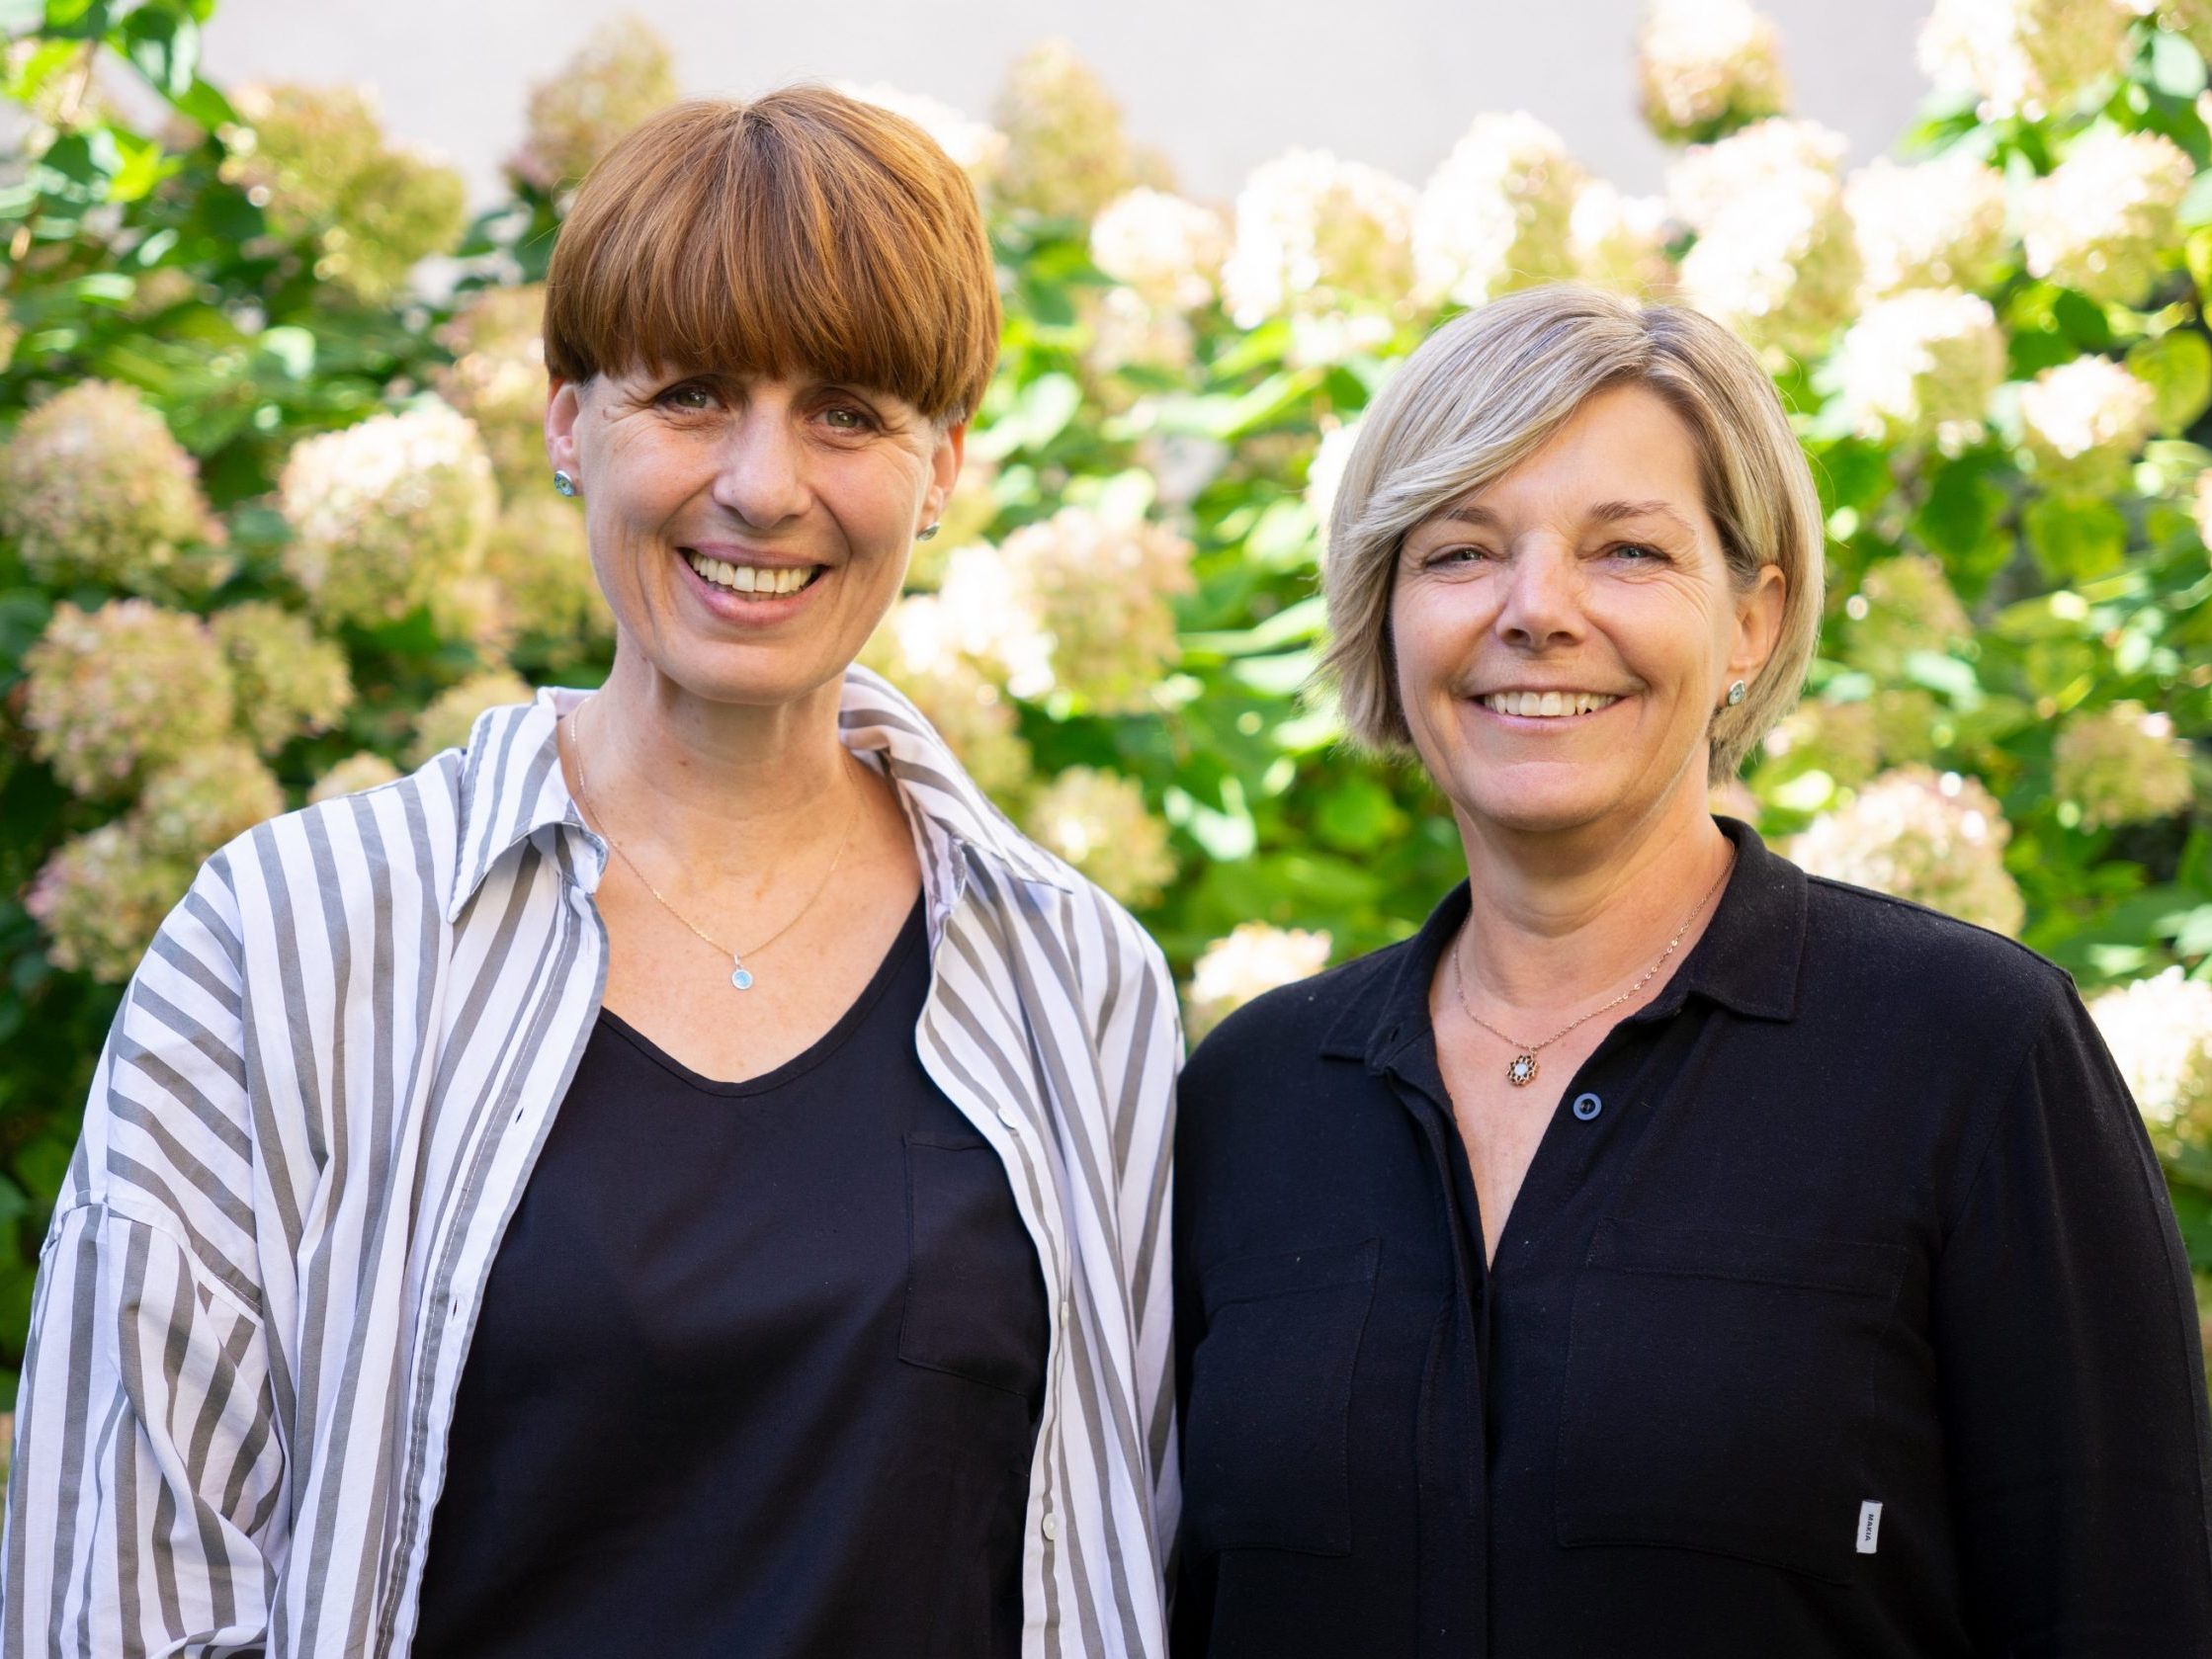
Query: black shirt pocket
[[975, 1299], [1717, 1392], [1266, 1436]]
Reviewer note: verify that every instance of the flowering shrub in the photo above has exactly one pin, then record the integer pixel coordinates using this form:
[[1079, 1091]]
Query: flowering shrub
[[275, 519]]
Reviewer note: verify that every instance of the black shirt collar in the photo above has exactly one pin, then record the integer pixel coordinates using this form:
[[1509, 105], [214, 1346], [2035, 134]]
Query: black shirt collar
[[1747, 959]]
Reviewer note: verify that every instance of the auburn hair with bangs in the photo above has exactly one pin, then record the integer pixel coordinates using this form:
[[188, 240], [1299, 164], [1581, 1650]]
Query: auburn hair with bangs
[[803, 233]]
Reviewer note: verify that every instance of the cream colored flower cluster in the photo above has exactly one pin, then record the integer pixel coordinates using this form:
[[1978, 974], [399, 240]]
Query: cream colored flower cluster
[[2084, 423], [976, 147], [1167, 249], [2159, 1032], [1101, 591], [1098, 823], [538, 562], [624, 73], [1937, 840], [316, 162], [1837, 738], [94, 488], [919, 649], [445, 721], [100, 897], [1495, 216], [1067, 151], [1921, 365], [1316, 235], [1927, 225], [1620, 242], [115, 694], [386, 513], [1775, 258], [497, 379], [289, 680], [203, 798], [2027, 57], [1702, 65], [1255, 958], [1905, 604], [2105, 219], [2121, 765]]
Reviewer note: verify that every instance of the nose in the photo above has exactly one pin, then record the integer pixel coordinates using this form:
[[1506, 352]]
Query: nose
[[1541, 603], [761, 476]]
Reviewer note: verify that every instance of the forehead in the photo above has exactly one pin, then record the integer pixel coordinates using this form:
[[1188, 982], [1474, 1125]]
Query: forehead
[[1624, 453]]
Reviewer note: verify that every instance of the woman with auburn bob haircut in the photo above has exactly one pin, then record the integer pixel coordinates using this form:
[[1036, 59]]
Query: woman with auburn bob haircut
[[678, 1176], [1661, 1252]]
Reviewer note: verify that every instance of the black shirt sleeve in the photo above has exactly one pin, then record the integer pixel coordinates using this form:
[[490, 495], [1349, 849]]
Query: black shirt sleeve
[[2072, 1389]]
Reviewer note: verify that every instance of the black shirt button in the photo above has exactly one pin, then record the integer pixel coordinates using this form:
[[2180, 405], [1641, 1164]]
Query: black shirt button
[[1588, 1106]]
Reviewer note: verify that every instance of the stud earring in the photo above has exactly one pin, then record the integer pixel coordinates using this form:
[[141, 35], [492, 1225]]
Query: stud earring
[[564, 483], [1736, 694], [926, 534]]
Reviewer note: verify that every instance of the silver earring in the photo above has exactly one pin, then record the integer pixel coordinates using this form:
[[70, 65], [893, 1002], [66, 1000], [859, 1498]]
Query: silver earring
[[563, 482], [1736, 694], [926, 534]]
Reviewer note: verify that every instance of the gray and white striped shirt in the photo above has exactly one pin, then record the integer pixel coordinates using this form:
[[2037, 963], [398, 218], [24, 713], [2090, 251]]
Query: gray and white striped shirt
[[318, 1106]]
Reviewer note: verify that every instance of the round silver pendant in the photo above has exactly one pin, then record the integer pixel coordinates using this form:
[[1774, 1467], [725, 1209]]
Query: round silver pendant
[[1523, 1073], [741, 976]]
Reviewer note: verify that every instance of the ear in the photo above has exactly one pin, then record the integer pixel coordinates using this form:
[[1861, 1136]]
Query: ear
[[564, 404], [1758, 623], [944, 472]]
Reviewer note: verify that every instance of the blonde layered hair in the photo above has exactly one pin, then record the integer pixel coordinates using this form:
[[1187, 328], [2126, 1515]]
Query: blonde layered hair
[[1489, 389]]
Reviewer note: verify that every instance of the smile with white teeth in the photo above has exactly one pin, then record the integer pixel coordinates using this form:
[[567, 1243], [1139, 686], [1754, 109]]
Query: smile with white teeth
[[768, 580], [1547, 705]]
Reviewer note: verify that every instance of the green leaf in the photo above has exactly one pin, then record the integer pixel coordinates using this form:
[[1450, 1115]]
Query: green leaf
[[2175, 68], [1357, 816], [2178, 367], [204, 106], [2074, 539], [163, 45]]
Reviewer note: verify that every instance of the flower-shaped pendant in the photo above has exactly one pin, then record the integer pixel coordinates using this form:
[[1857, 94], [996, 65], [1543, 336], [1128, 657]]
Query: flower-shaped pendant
[[1523, 1073]]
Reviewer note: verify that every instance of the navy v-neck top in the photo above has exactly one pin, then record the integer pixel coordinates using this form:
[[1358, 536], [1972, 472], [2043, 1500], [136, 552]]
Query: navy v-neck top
[[758, 1370]]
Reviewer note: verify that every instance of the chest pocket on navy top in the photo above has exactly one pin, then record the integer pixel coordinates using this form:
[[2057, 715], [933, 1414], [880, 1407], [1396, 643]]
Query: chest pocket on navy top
[[974, 1297], [1717, 1392], [1266, 1437]]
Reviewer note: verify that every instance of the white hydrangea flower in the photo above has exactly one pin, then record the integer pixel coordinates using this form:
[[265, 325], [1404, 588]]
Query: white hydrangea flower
[[1922, 364], [1313, 233], [1619, 242], [1927, 224], [1703, 62], [2105, 219], [1775, 259], [1098, 823], [988, 617], [1494, 215], [1253, 959], [1128, 330], [2026, 57], [1325, 471], [1936, 840], [1168, 249], [918, 648], [386, 513], [2159, 1032], [2083, 422], [976, 147]]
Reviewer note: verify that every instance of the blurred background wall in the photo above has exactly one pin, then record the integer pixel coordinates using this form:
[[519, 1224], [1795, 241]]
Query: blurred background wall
[[1218, 85]]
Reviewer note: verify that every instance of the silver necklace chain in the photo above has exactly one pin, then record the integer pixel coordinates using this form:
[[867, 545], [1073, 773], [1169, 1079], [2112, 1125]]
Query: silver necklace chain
[[740, 977], [1520, 1071]]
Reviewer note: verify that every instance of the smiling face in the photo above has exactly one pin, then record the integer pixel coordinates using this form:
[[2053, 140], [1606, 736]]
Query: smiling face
[[1562, 636], [749, 533]]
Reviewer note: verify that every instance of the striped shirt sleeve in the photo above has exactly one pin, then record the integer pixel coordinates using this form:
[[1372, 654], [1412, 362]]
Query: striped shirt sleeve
[[144, 1502]]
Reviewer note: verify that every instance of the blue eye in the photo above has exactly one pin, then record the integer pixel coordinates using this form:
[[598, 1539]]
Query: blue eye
[[1639, 553], [688, 396]]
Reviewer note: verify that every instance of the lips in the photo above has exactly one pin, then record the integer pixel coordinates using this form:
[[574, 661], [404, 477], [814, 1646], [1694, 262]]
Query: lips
[[755, 581]]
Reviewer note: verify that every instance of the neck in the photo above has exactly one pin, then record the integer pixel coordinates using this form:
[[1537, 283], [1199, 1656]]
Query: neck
[[722, 790], [1560, 921]]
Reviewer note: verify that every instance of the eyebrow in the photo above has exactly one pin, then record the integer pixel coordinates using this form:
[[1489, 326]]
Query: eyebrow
[[1605, 512]]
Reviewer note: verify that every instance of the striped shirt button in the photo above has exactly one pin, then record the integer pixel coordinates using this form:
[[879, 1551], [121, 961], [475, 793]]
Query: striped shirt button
[[1052, 1527], [1010, 1117]]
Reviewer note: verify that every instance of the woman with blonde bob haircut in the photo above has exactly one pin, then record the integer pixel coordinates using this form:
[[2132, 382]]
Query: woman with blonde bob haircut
[[679, 1175], [1661, 1251]]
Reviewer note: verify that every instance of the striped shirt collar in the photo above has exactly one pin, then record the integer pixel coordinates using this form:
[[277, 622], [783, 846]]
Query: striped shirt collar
[[512, 787]]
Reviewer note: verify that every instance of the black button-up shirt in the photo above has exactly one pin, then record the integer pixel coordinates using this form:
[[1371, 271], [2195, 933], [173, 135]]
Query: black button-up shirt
[[1840, 1312]]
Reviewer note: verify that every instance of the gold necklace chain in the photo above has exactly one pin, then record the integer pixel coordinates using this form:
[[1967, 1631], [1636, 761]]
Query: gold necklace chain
[[741, 976], [1521, 1070]]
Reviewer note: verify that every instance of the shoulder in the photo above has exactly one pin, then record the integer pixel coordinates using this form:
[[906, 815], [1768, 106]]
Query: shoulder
[[1876, 949]]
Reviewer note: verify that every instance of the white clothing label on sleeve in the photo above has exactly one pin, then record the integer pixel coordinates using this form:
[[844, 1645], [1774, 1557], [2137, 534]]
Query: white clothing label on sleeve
[[1870, 1525]]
